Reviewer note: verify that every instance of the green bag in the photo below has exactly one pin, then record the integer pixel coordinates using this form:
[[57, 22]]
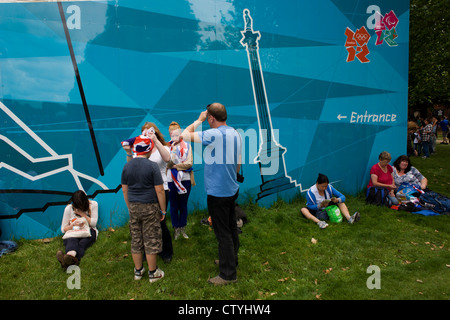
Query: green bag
[[334, 214]]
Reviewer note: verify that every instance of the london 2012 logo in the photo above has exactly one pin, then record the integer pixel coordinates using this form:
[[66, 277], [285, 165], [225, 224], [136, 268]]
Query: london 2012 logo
[[384, 27]]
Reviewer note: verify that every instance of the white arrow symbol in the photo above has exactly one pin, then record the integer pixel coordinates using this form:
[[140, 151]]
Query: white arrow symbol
[[341, 117]]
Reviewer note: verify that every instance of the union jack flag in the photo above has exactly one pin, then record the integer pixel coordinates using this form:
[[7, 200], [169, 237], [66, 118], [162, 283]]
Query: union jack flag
[[178, 154], [140, 144]]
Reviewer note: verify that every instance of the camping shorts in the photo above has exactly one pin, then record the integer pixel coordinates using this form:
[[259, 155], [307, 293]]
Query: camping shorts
[[145, 228]]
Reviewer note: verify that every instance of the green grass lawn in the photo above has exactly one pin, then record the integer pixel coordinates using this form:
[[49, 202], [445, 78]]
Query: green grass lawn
[[282, 257]]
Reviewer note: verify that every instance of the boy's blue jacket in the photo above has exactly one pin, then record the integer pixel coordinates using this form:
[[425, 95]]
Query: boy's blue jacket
[[313, 193]]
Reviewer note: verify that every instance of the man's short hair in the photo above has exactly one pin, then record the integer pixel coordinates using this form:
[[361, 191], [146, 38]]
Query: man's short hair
[[218, 111]]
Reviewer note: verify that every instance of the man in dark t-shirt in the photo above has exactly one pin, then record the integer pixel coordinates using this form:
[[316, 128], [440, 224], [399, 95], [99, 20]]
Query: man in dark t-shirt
[[144, 195]]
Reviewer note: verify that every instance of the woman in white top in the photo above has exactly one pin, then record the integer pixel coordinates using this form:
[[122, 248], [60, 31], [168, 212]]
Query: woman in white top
[[76, 215], [160, 155]]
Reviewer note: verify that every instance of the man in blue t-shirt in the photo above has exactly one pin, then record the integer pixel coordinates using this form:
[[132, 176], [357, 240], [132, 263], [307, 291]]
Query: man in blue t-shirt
[[222, 157]]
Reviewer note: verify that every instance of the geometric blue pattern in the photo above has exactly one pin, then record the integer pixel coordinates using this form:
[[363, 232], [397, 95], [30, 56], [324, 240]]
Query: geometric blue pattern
[[164, 61]]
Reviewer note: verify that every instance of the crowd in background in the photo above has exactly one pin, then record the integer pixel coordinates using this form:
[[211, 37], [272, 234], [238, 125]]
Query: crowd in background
[[423, 133]]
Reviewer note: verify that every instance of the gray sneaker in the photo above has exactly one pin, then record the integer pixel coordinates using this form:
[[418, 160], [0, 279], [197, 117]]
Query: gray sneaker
[[322, 224], [183, 233], [138, 273], [354, 218], [155, 276]]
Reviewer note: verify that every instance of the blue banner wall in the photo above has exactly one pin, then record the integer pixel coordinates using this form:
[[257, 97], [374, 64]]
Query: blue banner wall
[[312, 86]]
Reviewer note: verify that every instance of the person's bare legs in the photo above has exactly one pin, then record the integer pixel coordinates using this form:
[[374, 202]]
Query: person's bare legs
[[151, 261], [344, 210], [308, 215], [137, 259]]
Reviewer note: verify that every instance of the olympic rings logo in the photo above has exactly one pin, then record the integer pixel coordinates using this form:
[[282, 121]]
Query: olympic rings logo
[[361, 37]]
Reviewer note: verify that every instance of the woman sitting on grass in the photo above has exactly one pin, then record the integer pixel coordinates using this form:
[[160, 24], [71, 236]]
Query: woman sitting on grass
[[321, 195], [407, 176], [381, 176], [82, 211], [404, 172]]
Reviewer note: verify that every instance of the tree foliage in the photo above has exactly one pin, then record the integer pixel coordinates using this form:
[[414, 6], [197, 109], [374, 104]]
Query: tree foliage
[[429, 53]]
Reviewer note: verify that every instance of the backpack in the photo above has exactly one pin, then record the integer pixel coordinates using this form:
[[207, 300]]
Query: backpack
[[377, 196], [240, 214], [409, 206], [441, 203]]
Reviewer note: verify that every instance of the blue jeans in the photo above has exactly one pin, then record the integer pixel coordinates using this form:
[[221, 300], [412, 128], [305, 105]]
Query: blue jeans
[[426, 148], [79, 245], [392, 200], [178, 204]]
